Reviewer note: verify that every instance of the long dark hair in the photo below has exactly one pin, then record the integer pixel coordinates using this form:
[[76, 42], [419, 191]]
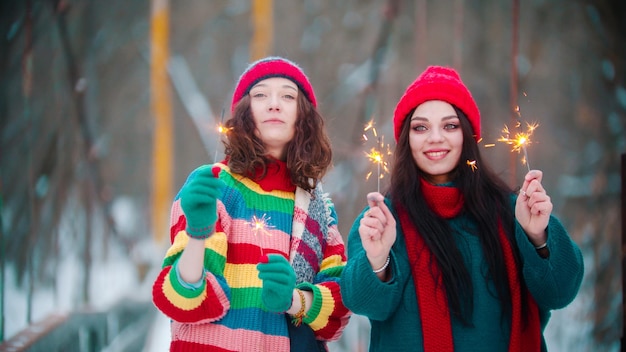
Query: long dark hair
[[485, 194], [308, 154]]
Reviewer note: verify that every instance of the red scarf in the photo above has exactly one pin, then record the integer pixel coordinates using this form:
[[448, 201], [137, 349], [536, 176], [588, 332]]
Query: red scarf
[[447, 202], [277, 177]]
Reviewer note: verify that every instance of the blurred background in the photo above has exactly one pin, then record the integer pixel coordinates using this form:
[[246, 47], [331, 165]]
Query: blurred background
[[108, 105]]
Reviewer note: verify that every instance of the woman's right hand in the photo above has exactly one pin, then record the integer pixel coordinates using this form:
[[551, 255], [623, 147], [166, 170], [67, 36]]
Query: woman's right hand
[[198, 199], [377, 230]]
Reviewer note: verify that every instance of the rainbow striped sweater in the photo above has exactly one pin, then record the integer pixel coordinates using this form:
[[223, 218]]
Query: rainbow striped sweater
[[225, 312]]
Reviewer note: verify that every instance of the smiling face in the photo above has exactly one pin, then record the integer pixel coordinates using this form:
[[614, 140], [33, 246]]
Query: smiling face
[[274, 106], [436, 140]]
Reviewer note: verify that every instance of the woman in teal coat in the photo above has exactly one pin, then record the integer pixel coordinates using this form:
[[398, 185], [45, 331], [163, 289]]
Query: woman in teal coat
[[452, 259]]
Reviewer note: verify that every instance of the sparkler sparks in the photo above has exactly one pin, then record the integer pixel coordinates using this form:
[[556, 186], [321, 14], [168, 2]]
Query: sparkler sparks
[[377, 154], [260, 225], [222, 131], [520, 141], [472, 164]]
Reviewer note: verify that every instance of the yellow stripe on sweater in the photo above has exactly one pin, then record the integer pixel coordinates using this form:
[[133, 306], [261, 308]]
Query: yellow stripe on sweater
[[331, 262], [217, 242], [180, 241], [242, 275], [178, 300], [328, 305]]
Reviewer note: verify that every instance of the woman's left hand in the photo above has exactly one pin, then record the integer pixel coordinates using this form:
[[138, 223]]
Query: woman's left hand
[[533, 207]]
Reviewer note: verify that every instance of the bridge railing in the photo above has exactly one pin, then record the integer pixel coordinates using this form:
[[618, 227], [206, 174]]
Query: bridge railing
[[122, 328]]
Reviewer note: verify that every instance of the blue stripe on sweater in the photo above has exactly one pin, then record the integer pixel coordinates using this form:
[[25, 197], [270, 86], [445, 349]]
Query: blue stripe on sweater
[[255, 319]]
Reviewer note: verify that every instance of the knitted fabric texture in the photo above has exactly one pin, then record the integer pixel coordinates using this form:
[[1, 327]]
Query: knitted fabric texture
[[226, 313], [434, 312], [273, 66], [437, 83]]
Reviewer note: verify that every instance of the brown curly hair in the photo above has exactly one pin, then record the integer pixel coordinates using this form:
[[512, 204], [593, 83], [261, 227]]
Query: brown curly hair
[[308, 154]]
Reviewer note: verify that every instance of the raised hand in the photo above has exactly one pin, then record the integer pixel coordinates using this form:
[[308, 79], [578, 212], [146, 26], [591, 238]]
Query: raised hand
[[279, 281], [377, 230], [198, 199], [533, 207]]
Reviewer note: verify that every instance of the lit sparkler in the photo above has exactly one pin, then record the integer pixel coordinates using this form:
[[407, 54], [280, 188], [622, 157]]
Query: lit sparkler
[[520, 141], [260, 225], [377, 154], [221, 131]]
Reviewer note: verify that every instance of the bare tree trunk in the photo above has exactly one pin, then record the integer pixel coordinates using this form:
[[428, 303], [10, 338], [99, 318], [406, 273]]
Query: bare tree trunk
[[27, 75], [381, 46], [421, 31], [2, 259], [93, 189], [78, 85], [513, 86], [623, 247], [457, 50], [88, 235]]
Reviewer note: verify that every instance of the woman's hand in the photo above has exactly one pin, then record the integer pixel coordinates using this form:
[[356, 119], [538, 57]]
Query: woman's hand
[[377, 230], [533, 208]]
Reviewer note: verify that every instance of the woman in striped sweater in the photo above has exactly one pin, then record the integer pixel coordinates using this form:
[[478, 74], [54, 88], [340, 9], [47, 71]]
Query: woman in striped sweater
[[256, 256]]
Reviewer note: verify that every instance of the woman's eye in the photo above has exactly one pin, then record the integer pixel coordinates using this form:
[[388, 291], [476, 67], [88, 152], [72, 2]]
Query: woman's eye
[[419, 128], [451, 126], [289, 96]]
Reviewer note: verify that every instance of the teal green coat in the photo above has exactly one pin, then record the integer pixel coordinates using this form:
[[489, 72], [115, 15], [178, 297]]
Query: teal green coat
[[392, 306]]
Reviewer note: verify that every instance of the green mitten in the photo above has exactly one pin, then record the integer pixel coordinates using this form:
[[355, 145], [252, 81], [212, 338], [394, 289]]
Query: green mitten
[[279, 281], [198, 199]]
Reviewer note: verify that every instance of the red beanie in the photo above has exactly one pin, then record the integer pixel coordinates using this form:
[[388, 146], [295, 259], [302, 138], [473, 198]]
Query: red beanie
[[268, 67], [437, 83]]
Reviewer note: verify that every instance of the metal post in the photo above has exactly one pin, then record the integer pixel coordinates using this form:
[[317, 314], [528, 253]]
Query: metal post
[[263, 29], [161, 107]]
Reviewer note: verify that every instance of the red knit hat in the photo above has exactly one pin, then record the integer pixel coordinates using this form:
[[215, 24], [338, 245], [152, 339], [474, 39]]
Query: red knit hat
[[272, 66], [437, 83]]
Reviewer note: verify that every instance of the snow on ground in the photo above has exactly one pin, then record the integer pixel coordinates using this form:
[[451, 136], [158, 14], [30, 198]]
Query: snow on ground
[[158, 339], [112, 281]]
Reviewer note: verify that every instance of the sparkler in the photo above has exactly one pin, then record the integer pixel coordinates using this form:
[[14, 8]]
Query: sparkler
[[521, 139], [377, 153], [260, 225], [221, 130]]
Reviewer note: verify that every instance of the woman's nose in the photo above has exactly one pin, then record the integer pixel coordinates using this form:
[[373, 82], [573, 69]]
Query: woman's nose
[[435, 135], [274, 102]]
